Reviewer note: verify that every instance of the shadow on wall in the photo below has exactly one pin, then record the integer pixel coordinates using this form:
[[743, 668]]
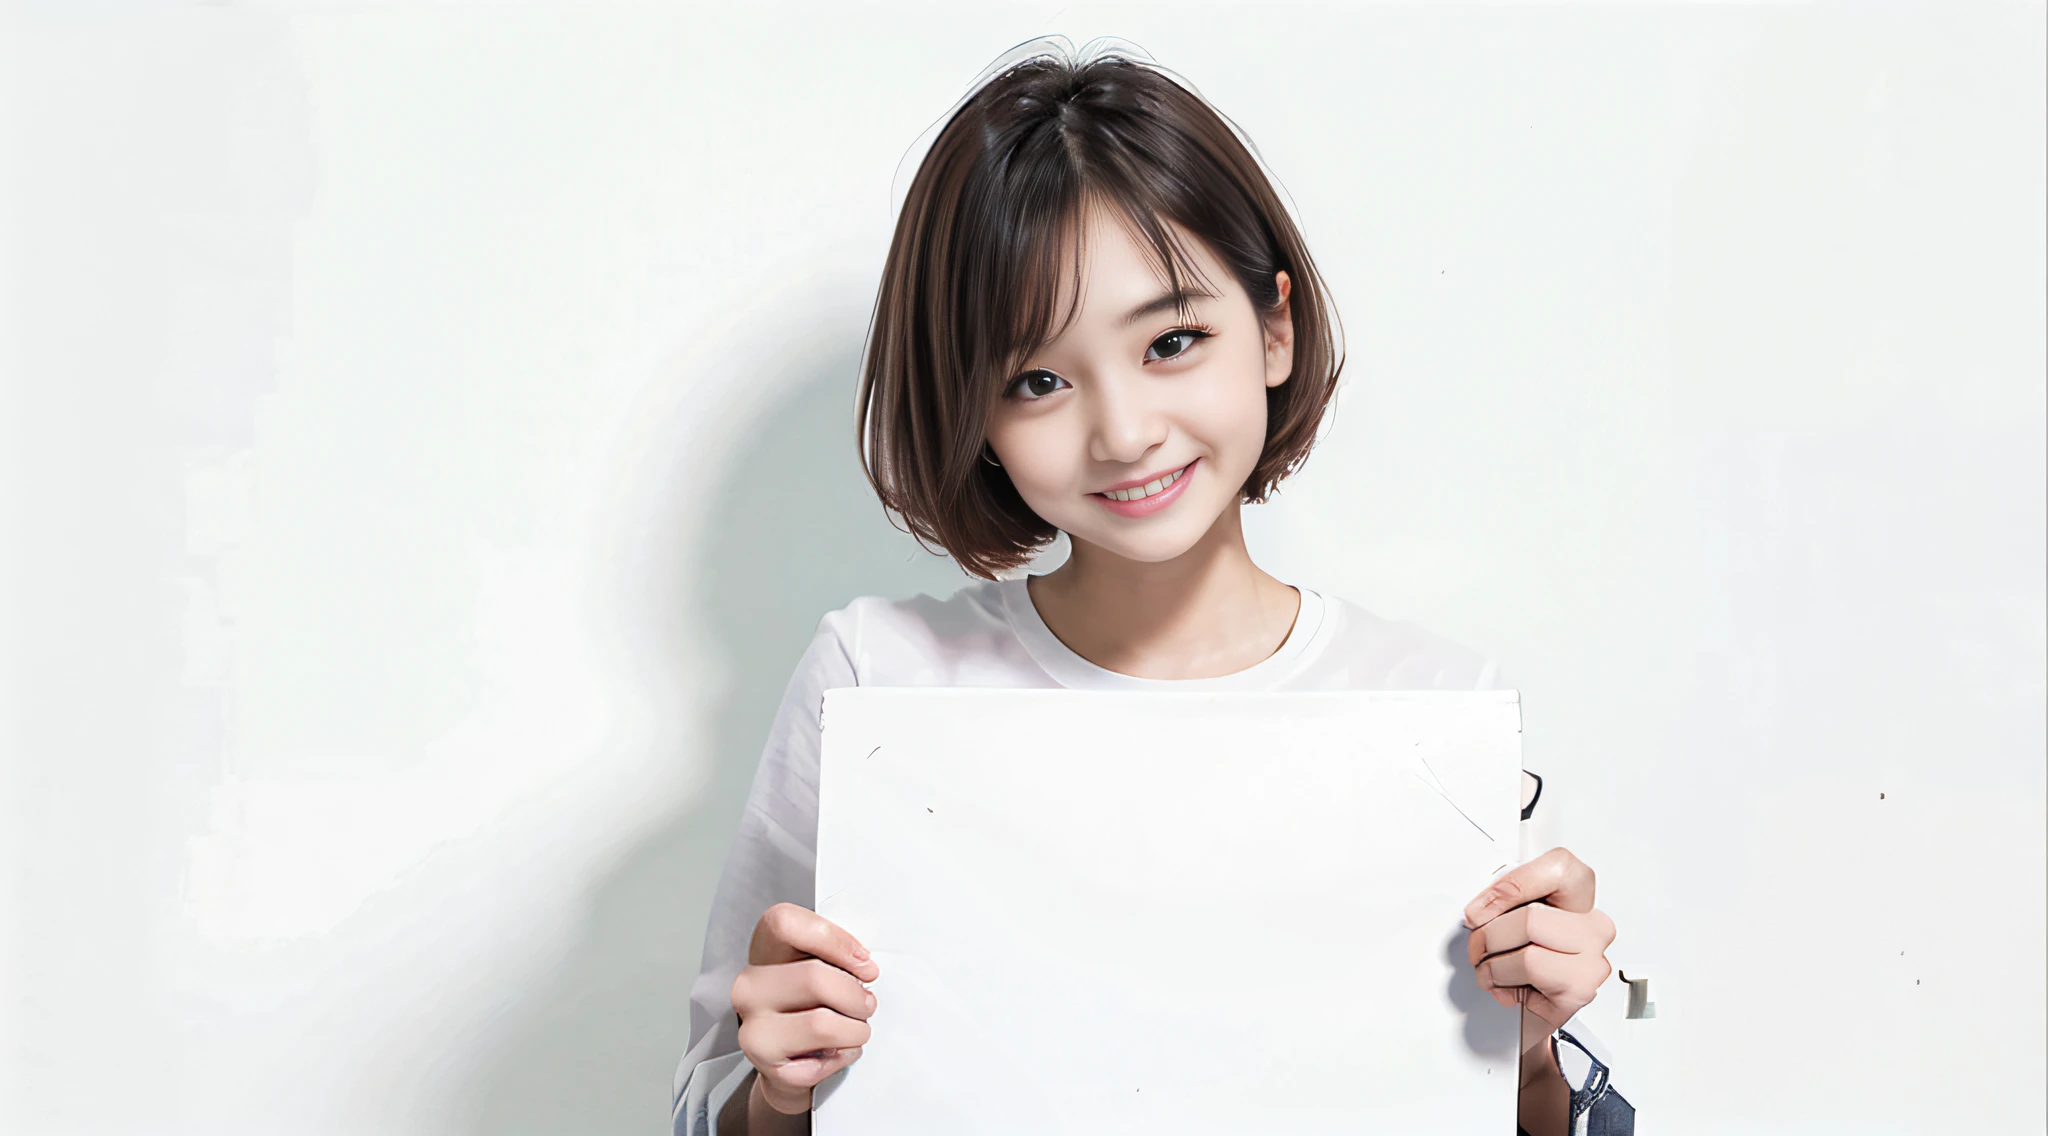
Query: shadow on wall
[[795, 532], [1485, 1032]]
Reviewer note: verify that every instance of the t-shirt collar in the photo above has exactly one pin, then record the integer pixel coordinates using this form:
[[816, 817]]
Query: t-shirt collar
[[1071, 670]]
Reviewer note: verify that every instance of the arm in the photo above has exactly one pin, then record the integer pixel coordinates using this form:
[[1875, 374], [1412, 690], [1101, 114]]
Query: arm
[[772, 860], [1544, 1107], [1545, 1103], [748, 1113], [1538, 942]]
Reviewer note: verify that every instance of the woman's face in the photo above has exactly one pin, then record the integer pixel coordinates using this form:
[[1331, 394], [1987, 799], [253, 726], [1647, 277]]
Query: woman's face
[[1134, 430]]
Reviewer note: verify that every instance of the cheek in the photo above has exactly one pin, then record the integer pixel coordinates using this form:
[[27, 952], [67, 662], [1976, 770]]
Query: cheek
[[1036, 452], [1232, 410]]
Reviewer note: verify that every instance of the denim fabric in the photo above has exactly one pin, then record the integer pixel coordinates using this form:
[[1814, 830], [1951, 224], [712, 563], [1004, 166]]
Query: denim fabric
[[1597, 1110], [1611, 1115]]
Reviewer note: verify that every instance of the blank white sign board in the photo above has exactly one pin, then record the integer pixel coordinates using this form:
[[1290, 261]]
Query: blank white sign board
[[1103, 912]]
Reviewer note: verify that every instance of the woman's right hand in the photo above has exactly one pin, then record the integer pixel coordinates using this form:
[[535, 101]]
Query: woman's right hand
[[803, 1011]]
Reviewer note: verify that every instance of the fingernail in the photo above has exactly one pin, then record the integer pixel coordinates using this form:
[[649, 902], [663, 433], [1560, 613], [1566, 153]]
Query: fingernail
[[871, 1001], [860, 952]]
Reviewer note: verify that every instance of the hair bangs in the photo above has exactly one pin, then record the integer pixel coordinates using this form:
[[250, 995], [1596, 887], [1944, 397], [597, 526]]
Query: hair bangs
[[1047, 300]]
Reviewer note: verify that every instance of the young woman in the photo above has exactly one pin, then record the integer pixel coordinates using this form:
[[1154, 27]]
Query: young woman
[[1097, 318]]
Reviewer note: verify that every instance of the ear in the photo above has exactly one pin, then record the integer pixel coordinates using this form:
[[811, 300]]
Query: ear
[[1280, 335]]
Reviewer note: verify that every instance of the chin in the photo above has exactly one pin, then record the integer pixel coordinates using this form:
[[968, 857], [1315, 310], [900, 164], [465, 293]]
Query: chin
[[1153, 551]]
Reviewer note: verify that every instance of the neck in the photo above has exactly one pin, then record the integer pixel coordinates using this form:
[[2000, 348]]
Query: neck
[[1209, 611]]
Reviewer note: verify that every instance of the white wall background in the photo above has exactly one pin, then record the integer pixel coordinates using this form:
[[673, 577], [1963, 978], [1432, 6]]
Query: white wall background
[[426, 452]]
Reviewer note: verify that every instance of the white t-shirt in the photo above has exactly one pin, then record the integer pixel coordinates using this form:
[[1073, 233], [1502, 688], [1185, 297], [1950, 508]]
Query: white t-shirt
[[986, 634]]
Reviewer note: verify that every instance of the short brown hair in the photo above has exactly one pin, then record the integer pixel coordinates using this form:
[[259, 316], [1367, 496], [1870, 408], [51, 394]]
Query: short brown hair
[[972, 281]]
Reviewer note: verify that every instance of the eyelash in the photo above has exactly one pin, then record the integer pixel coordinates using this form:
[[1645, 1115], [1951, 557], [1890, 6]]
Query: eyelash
[[1200, 331]]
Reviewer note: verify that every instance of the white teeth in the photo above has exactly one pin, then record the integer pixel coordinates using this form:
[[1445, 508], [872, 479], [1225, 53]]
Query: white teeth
[[1145, 490]]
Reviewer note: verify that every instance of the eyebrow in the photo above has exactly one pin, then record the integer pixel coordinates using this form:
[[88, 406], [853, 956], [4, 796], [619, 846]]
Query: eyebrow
[[1164, 302]]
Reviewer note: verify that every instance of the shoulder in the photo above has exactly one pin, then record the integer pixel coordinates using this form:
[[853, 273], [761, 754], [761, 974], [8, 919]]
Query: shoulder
[[1404, 656], [926, 640], [1362, 650], [1367, 650], [872, 641]]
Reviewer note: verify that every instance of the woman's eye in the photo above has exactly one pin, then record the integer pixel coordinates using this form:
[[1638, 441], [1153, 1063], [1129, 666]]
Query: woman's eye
[[1174, 343], [1035, 384]]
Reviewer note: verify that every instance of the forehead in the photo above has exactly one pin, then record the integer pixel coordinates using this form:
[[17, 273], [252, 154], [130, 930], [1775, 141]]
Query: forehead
[[1108, 265]]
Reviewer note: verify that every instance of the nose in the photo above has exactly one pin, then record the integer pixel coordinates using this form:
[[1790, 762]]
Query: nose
[[1126, 426]]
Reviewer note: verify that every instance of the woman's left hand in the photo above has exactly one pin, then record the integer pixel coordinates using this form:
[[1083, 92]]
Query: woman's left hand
[[1537, 938]]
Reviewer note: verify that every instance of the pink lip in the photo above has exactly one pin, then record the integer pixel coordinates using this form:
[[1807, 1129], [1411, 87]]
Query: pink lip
[[1146, 506]]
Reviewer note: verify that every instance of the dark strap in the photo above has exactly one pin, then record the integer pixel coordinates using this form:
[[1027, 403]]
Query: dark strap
[[1529, 809]]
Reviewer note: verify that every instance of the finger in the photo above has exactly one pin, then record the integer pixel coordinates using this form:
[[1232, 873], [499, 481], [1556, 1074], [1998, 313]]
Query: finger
[[1557, 877], [772, 1041], [786, 933], [1506, 932], [802, 985], [1567, 932], [1530, 966], [1561, 977], [1570, 932], [1557, 1006], [788, 1086]]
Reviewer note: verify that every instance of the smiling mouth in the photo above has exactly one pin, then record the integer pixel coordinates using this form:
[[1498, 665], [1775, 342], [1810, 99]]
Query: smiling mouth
[[1154, 486]]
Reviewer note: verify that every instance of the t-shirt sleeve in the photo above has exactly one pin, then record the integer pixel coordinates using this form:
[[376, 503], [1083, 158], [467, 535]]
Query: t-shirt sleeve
[[773, 860]]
